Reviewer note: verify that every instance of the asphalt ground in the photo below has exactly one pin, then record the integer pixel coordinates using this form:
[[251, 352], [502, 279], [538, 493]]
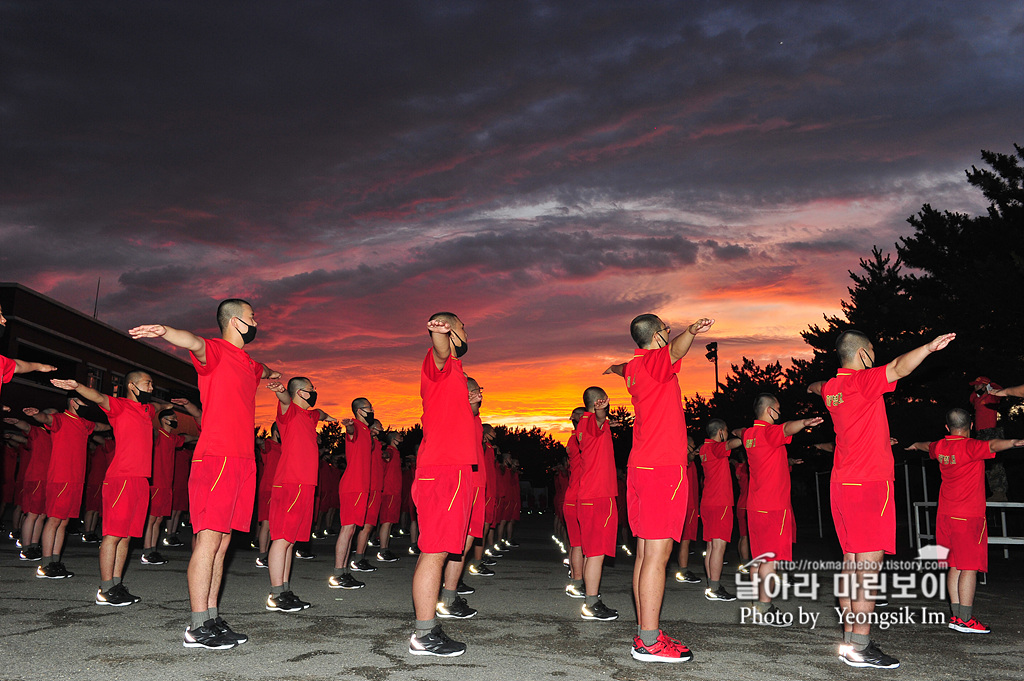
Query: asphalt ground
[[526, 627]]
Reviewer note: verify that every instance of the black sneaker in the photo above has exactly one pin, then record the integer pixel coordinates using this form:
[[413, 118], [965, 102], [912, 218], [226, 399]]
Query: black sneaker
[[489, 562], [45, 571], [511, 543], [222, 628], [459, 609], [372, 543], [480, 570], [58, 571], [113, 597], [90, 538], [598, 611], [386, 556], [206, 637], [153, 559], [281, 603], [345, 581], [687, 577], [415, 551], [872, 656], [362, 566], [435, 643], [31, 553], [172, 540], [123, 591], [303, 554], [464, 589], [262, 563], [573, 591], [296, 600], [720, 594]]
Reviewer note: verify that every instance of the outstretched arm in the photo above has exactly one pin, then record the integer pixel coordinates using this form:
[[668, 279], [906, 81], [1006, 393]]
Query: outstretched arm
[[23, 367], [14, 437], [270, 373], [190, 407], [1015, 391], [680, 345], [1003, 445], [23, 426], [733, 442], [85, 391], [617, 369], [815, 388], [918, 447], [793, 427], [439, 337], [176, 337], [45, 419], [324, 416], [282, 395], [902, 366]]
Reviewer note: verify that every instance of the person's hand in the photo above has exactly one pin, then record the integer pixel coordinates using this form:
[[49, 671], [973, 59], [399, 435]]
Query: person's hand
[[64, 384], [602, 403], [29, 411], [11, 421], [815, 421], [46, 368], [795, 462], [439, 326], [274, 375], [893, 442], [330, 419], [276, 387], [1018, 443], [180, 401], [6, 408], [701, 325], [941, 342], [911, 448], [148, 331], [348, 423], [614, 423], [997, 393]]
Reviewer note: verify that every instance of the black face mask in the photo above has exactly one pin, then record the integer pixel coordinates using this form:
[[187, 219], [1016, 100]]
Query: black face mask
[[866, 365], [172, 424], [144, 397], [311, 400], [460, 350], [250, 333], [369, 417]]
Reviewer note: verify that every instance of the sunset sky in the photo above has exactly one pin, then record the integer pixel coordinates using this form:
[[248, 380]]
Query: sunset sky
[[545, 170]]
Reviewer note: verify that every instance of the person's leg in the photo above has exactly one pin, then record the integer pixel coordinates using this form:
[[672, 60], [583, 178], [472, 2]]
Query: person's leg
[[714, 560], [683, 555], [744, 549], [218, 570], [384, 536], [953, 589], [364, 536], [121, 556], [576, 562], [264, 537], [108, 557], [205, 546], [91, 518], [967, 584], [426, 582], [867, 566], [277, 559], [592, 566], [453, 568], [51, 528], [650, 582], [342, 547], [765, 570], [414, 531]]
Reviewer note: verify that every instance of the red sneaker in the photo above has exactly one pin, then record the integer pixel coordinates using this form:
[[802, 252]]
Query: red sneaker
[[971, 626], [954, 621], [665, 649]]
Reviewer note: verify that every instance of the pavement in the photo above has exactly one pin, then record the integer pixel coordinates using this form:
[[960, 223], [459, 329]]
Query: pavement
[[526, 627]]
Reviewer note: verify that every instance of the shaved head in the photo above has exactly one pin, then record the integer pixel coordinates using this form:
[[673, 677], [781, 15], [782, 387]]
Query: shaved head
[[849, 344], [232, 307], [763, 402], [361, 403], [577, 414], [958, 419], [299, 383], [714, 425], [591, 395], [643, 328]]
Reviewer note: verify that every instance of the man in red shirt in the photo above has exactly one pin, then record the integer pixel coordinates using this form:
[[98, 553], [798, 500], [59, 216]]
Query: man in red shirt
[[264, 489], [716, 505], [862, 478], [570, 510], [222, 484], [358, 563], [38, 445], [986, 405], [769, 506], [692, 516], [165, 442], [598, 487], [293, 485], [353, 493], [99, 460], [960, 524], [65, 480], [182, 464], [391, 500], [441, 491], [491, 506], [656, 477], [126, 484], [478, 527]]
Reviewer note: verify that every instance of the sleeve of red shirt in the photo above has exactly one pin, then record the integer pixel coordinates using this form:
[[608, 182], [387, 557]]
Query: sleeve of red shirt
[[116, 406], [430, 369], [212, 357], [931, 449], [659, 365], [775, 435], [873, 383], [58, 421], [980, 449], [7, 367], [179, 442], [720, 451], [284, 416]]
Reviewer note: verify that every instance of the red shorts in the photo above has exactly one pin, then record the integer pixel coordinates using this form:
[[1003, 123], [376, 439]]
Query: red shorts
[[94, 498], [352, 508], [741, 521], [159, 501], [571, 511], [656, 501], [179, 495], [966, 539], [373, 507], [263, 503], [390, 509], [772, 532], [125, 501], [598, 526], [717, 522], [476, 513], [221, 493], [490, 510], [690, 526], [7, 492], [515, 509], [446, 497], [864, 515], [291, 512], [63, 499], [33, 497], [501, 510]]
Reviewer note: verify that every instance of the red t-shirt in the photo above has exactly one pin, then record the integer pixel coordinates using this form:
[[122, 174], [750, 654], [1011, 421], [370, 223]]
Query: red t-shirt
[[598, 456], [490, 471], [984, 413], [40, 445], [300, 457], [448, 432], [98, 463], [717, 479], [132, 423], [358, 451], [7, 367], [692, 485], [479, 477], [743, 478], [182, 466], [271, 455], [575, 465], [10, 463], [854, 398], [377, 465], [659, 430], [164, 444], [393, 472], [962, 465], [769, 466], [69, 435], [227, 386]]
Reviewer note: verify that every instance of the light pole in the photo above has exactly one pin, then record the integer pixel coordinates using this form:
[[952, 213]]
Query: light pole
[[712, 355]]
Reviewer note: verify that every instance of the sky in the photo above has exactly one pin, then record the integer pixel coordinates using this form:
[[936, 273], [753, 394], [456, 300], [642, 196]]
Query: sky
[[545, 170]]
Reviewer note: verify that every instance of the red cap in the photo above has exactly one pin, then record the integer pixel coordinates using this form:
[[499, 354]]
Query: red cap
[[984, 380]]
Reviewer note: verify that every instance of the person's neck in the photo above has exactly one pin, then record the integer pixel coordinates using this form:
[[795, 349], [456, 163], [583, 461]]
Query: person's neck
[[233, 338]]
